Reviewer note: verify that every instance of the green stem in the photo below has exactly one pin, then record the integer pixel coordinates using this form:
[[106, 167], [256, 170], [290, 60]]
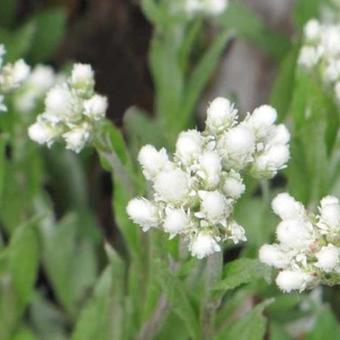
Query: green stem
[[266, 195]]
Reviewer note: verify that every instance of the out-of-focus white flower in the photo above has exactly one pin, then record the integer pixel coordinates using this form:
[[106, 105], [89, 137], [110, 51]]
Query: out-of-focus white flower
[[287, 208], [172, 185], [58, 103], [309, 57], [273, 256], [189, 146], [221, 115], [208, 7], [43, 133], [152, 161], [175, 221], [96, 107], [289, 280], [312, 30], [204, 245], [77, 137], [144, 213], [328, 258], [82, 77]]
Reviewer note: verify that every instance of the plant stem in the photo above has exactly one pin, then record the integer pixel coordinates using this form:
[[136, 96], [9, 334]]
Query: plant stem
[[265, 192]]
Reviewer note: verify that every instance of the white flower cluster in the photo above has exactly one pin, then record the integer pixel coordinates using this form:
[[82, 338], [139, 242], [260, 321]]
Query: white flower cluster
[[207, 7], [307, 252], [321, 51], [195, 192], [72, 110], [12, 75]]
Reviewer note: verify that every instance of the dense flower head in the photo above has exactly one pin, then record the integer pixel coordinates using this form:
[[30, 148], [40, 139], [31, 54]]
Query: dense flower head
[[72, 109], [195, 191], [307, 252], [12, 75], [321, 52]]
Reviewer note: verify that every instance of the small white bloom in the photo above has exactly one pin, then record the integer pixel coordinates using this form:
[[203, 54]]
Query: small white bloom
[[331, 72], [238, 233], [42, 78], [58, 103], [330, 211], [143, 212], [328, 258], [95, 107], [20, 72], [82, 77], [295, 234], [3, 107], [43, 133], [330, 40], [214, 206], [262, 120], [289, 280], [77, 137], [273, 256], [287, 208], [211, 167], [221, 115], [172, 185], [309, 57], [189, 146], [152, 161], [175, 221], [279, 134], [233, 186], [204, 245], [312, 30]]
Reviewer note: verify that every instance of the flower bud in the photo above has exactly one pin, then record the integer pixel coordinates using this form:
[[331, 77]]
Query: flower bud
[[189, 146], [82, 77], [287, 208], [330, 211], [20, 72], [273, 256], [42, 133], [328, 258], [233, 186], [220, 115], [58, 103], [211, 167], [77, 137], [279, 135], [289, 280], [141, 211], [214, 206], [204, 245], [95, 107], [175, 221], [262, 120]]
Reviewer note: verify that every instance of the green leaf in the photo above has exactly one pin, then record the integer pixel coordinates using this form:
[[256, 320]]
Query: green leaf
[[50, 30], [3, 143], [8, 11], [240, 272], [252, 326]]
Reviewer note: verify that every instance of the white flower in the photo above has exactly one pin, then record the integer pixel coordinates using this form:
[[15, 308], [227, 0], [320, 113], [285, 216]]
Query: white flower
[[332, 71], [172, 185], [330, 211], [189, 146], [328, 258], [208, 7], [175, 221], [204, 245], [210, 168], [279, 134], [233, 186], [95, 107], [262, 120], [309, 57], [287, 208], [214, 206], [221, 115], [77, 137], [289, 280], [82, 77], [238, 233], [312, 30], [43, 133], [152, 161], [330, 40], [20, 72], [273, 256], [42, 78], [58, 103], [3, 107], [237, 146], [143, 212], [215, 7]]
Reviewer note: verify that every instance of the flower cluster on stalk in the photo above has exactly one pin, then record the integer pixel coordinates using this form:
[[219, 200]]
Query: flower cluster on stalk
[[321, 51], [72, 111], [194, 193], [307, 252], [12, 75]]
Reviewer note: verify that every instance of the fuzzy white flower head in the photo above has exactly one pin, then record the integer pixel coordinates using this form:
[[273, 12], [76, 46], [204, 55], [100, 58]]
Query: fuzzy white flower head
[[189, 146], [95, 107], [214, 206], [172, 185], [289, 280], [20, 72], [42, 77], [273, 256], [238, 233], [175, 221], [287, 208], [58, 103], [221, 114], [77, 137], [331, 72], [43, 133], [309, 57], [233, 185], [82, 77], [328, 258], [153, 161], [143, 212], [330, 211], [262, 120], [237, 146], [330, 40], [210, 168], [295, 234], [279, 134], [204, 245], [312, 30]]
